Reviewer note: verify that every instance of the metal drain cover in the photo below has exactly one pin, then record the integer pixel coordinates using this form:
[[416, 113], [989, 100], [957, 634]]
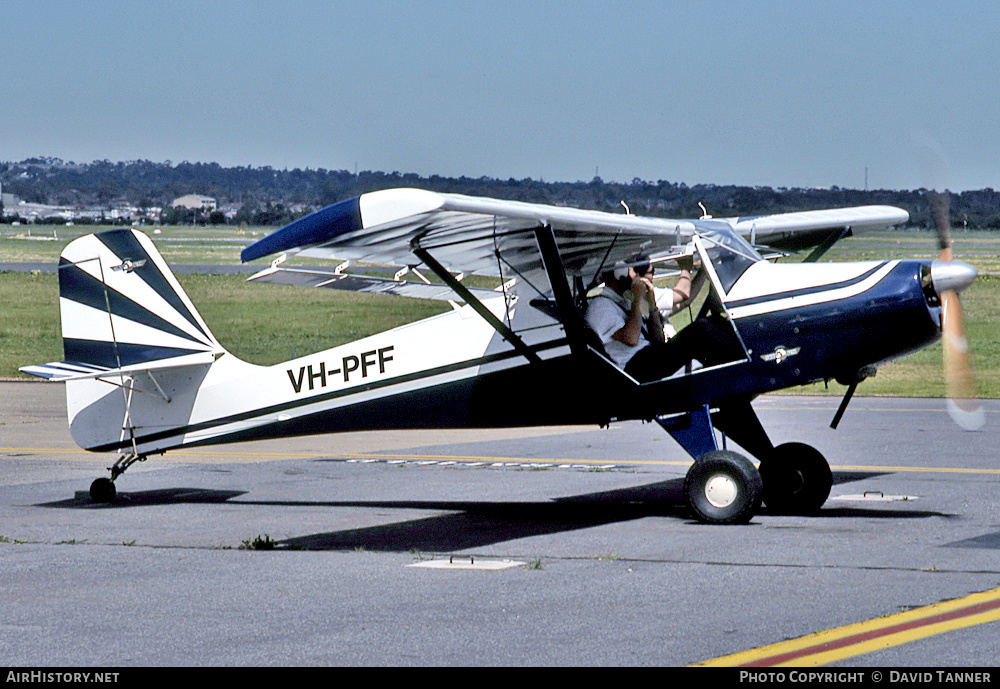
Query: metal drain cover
[[467, 563], [874, 496]]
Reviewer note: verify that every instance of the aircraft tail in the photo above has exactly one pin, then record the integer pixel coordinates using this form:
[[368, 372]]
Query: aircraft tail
[[122, 310], [136, 350]]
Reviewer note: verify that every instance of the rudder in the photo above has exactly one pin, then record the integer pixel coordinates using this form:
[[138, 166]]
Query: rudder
[[121, 306], [127, 327]]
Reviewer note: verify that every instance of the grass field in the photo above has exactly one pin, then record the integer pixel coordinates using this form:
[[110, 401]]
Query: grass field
[[267, 324]]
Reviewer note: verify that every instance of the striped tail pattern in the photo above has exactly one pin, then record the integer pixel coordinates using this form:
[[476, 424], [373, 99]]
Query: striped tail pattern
[[136, 349], [122, 309]]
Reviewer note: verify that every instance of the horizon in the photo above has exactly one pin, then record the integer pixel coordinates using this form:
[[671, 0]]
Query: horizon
[[779, 95], [174, 164]]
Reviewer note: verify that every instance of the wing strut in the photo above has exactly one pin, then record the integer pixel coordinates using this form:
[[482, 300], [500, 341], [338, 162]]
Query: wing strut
[[569, 315], [480, 308], [827, 244]]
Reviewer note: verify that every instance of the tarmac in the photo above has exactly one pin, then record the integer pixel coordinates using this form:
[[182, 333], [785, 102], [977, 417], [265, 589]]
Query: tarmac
[[517, 547]]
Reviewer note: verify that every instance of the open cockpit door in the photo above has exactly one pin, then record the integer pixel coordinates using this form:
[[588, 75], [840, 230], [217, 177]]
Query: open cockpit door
[[724, 258]]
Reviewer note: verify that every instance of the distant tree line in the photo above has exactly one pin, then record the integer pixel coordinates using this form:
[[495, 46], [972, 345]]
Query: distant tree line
[[267, 196]]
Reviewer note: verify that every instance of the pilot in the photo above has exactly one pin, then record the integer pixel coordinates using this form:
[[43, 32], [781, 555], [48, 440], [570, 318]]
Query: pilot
[[619, 323]]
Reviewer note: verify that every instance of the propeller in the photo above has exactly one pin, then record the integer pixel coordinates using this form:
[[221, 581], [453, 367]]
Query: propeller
[[950, 277]]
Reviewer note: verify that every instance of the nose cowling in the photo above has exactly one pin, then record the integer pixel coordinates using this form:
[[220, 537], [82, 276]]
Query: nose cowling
[[952, 276]]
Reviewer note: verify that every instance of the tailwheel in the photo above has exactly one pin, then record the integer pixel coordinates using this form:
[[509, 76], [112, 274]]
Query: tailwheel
[[103, 490], [723, 487], [797, 479]]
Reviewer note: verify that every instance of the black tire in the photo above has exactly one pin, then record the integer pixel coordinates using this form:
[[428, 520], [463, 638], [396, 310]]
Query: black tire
[[103, 490], [723, 487], [797, 480]]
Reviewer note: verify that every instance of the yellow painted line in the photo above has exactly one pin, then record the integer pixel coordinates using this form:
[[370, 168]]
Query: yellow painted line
[[359, 455], [476, 458], [505, 460], [879, 634], [929, 470]]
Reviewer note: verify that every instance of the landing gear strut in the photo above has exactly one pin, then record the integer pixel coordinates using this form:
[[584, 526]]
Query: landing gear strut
[[103, 490]]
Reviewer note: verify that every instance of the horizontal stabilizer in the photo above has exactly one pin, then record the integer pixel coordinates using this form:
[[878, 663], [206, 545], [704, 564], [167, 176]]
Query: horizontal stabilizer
[[61, 371], [316, 277]]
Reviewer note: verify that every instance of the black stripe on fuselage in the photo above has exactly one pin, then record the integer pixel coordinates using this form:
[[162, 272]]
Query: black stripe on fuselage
[[804, 291], [294, 404]]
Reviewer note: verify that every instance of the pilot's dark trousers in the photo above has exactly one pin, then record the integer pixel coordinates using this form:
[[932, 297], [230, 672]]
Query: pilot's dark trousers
[[710, 340]]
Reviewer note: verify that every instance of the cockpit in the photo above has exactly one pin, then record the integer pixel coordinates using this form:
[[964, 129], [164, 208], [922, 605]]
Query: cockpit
[[688, 282]]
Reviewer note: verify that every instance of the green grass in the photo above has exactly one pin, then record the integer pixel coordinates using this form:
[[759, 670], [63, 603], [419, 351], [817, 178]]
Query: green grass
[[178, 244], [267, 324], [261, 323], [29, 321]]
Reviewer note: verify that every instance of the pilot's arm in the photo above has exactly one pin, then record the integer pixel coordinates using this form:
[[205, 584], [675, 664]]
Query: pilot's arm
[[686, 289], [631, 332]]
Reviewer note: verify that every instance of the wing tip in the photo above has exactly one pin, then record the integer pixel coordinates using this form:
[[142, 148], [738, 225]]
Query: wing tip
[[315, 228]]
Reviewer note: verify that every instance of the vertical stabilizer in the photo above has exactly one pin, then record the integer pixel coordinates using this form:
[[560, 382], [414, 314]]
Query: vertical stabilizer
[[121, 306], [122, 309], [136, 349]]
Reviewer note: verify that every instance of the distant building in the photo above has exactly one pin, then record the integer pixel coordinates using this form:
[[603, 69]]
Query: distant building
[[32, 212], [8, 200], [195, 201]]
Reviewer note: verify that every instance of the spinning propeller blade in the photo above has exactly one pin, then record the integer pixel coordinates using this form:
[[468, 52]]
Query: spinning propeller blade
[[950, 278]]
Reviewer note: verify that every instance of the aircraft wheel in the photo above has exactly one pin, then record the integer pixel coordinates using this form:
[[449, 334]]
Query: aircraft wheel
[[797, 479], [103, 490], [723, 487]]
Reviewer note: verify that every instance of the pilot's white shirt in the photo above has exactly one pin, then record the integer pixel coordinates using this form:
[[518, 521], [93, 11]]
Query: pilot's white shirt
[[606, 315]]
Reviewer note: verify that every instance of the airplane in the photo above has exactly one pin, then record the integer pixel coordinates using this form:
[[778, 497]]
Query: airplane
[[144, 374]]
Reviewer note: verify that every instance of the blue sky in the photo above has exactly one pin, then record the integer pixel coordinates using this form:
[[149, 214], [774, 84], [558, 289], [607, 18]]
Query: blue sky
[[776, 93]]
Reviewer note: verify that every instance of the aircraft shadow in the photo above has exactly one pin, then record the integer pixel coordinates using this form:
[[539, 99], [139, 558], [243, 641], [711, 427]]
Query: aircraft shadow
[[147, 498], [473, 524], [990, 541], [478, 524]]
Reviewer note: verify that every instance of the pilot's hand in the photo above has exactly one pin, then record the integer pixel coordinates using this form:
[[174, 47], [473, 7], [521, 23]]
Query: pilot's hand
[[640, 287], [686, 263]]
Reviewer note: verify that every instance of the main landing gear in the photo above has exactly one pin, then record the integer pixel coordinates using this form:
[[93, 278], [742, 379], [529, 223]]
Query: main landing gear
[[103, 490], [724, 487], [797, 479]]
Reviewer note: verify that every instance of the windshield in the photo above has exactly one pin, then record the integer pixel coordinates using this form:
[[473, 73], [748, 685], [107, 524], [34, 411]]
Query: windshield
[[730, 254]]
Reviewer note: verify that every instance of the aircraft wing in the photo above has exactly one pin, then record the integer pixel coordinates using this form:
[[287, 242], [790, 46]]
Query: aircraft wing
[[806, 229], [466, 234], [477, 234], [327, 279]]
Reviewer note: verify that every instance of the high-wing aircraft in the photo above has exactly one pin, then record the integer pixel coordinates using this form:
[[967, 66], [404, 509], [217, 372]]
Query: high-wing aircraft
[[144, 374]]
